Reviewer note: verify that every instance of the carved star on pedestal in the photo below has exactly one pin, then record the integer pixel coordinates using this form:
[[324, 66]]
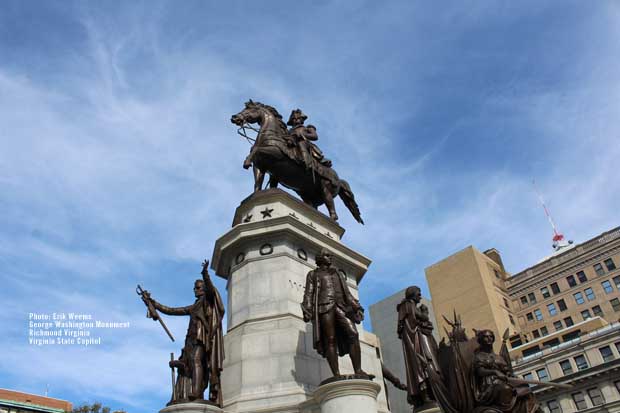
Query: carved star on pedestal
[[247, 218], [266, 212]]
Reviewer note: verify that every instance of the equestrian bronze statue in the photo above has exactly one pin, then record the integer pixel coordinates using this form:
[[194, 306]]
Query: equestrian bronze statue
[[293, 159], [200, 364], [333, 311]]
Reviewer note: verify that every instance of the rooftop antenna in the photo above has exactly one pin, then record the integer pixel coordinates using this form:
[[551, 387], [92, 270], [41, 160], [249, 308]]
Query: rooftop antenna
[[559, 242]]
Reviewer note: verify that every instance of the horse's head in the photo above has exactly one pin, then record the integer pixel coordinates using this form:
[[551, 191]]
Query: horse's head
[[252, 113]]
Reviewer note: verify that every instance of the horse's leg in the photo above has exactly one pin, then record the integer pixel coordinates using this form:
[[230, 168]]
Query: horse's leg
[[273, 181], [328, 197], [259, 177]]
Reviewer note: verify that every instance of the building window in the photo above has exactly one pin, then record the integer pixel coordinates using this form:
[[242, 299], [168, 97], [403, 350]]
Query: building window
[[606, 353], [506, 302], [586, 314], [582, 276], [598, 269], [596, 397], [617, 346], [589, 294], [496, 273], [607, 287], [529, 316], [597, 311], [571, 336], [554, 406], [542, 374], [528, 376], [536, 334], [544, 331], [579, 298], [617, 383], [581, 362], [566, 367], [609, 263], [616, 280], [571, 281], [524, 300], [562, 304], [530, 351], [568, 321], [545, 292], [552, 310], [551, 343], [555, 288], [557, 325], [538, 314], [615, 303], [580, 401], [532, 298], [512, 320]]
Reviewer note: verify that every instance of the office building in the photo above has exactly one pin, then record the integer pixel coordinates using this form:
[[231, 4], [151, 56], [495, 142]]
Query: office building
[[562, 315]]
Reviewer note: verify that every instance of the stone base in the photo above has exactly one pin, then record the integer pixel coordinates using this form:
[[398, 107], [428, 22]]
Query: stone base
[[191, 407], [359, 396]]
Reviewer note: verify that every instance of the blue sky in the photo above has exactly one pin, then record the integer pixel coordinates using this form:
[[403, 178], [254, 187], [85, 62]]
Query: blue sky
[[119, 165]]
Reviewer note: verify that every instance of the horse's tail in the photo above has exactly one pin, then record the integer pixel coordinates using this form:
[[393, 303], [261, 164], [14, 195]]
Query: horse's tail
[[349, 200]]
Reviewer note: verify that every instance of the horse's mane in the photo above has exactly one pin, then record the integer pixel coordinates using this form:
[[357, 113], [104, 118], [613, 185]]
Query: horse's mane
[[273, 111]]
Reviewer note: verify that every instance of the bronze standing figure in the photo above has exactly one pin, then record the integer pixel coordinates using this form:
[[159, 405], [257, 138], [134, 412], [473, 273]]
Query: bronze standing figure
[[333, 311], [202, 357], [468, 377], [419, 347]]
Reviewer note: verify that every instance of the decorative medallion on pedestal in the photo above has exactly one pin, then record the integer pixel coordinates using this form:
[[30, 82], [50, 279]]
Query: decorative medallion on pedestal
[[271, 364]]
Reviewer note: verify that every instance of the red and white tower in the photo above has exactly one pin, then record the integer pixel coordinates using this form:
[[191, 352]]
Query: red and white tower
[[559, 242]]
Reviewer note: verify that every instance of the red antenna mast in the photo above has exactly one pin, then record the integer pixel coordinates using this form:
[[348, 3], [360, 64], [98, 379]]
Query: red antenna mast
[[558, 239]]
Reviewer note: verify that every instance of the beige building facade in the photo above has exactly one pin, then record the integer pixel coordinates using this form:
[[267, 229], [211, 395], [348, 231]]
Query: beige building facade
[[561, 312]]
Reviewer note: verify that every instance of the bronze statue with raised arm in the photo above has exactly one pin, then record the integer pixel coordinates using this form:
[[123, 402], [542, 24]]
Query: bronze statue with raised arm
[[200, 363]]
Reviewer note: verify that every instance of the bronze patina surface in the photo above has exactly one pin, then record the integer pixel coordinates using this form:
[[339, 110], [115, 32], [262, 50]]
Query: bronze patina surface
[[333, 311], [293, 159], [202, 357]]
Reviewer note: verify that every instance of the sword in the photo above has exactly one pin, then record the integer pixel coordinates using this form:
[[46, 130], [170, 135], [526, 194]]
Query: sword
[[152, 312], [174, 389]]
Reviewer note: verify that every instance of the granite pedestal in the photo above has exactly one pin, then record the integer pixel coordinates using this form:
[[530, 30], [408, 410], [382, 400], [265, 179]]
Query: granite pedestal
[[270, 363]]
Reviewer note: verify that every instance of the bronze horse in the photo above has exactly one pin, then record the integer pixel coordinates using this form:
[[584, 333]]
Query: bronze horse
[[272, 152]]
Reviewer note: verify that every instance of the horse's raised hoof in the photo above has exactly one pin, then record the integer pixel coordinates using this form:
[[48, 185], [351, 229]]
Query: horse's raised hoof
[[247, 164], [334, 217]]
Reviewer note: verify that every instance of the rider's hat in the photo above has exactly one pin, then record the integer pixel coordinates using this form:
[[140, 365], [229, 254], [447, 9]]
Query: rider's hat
[[296, 112]]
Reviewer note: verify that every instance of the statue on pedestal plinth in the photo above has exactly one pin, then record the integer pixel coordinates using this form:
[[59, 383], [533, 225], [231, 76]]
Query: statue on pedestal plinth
[[291, 159], [419, 347], [463, 375], [333, 311], [200, 363]]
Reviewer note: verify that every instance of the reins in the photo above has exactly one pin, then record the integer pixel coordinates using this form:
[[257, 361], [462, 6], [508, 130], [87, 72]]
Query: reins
[[241, 131]]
